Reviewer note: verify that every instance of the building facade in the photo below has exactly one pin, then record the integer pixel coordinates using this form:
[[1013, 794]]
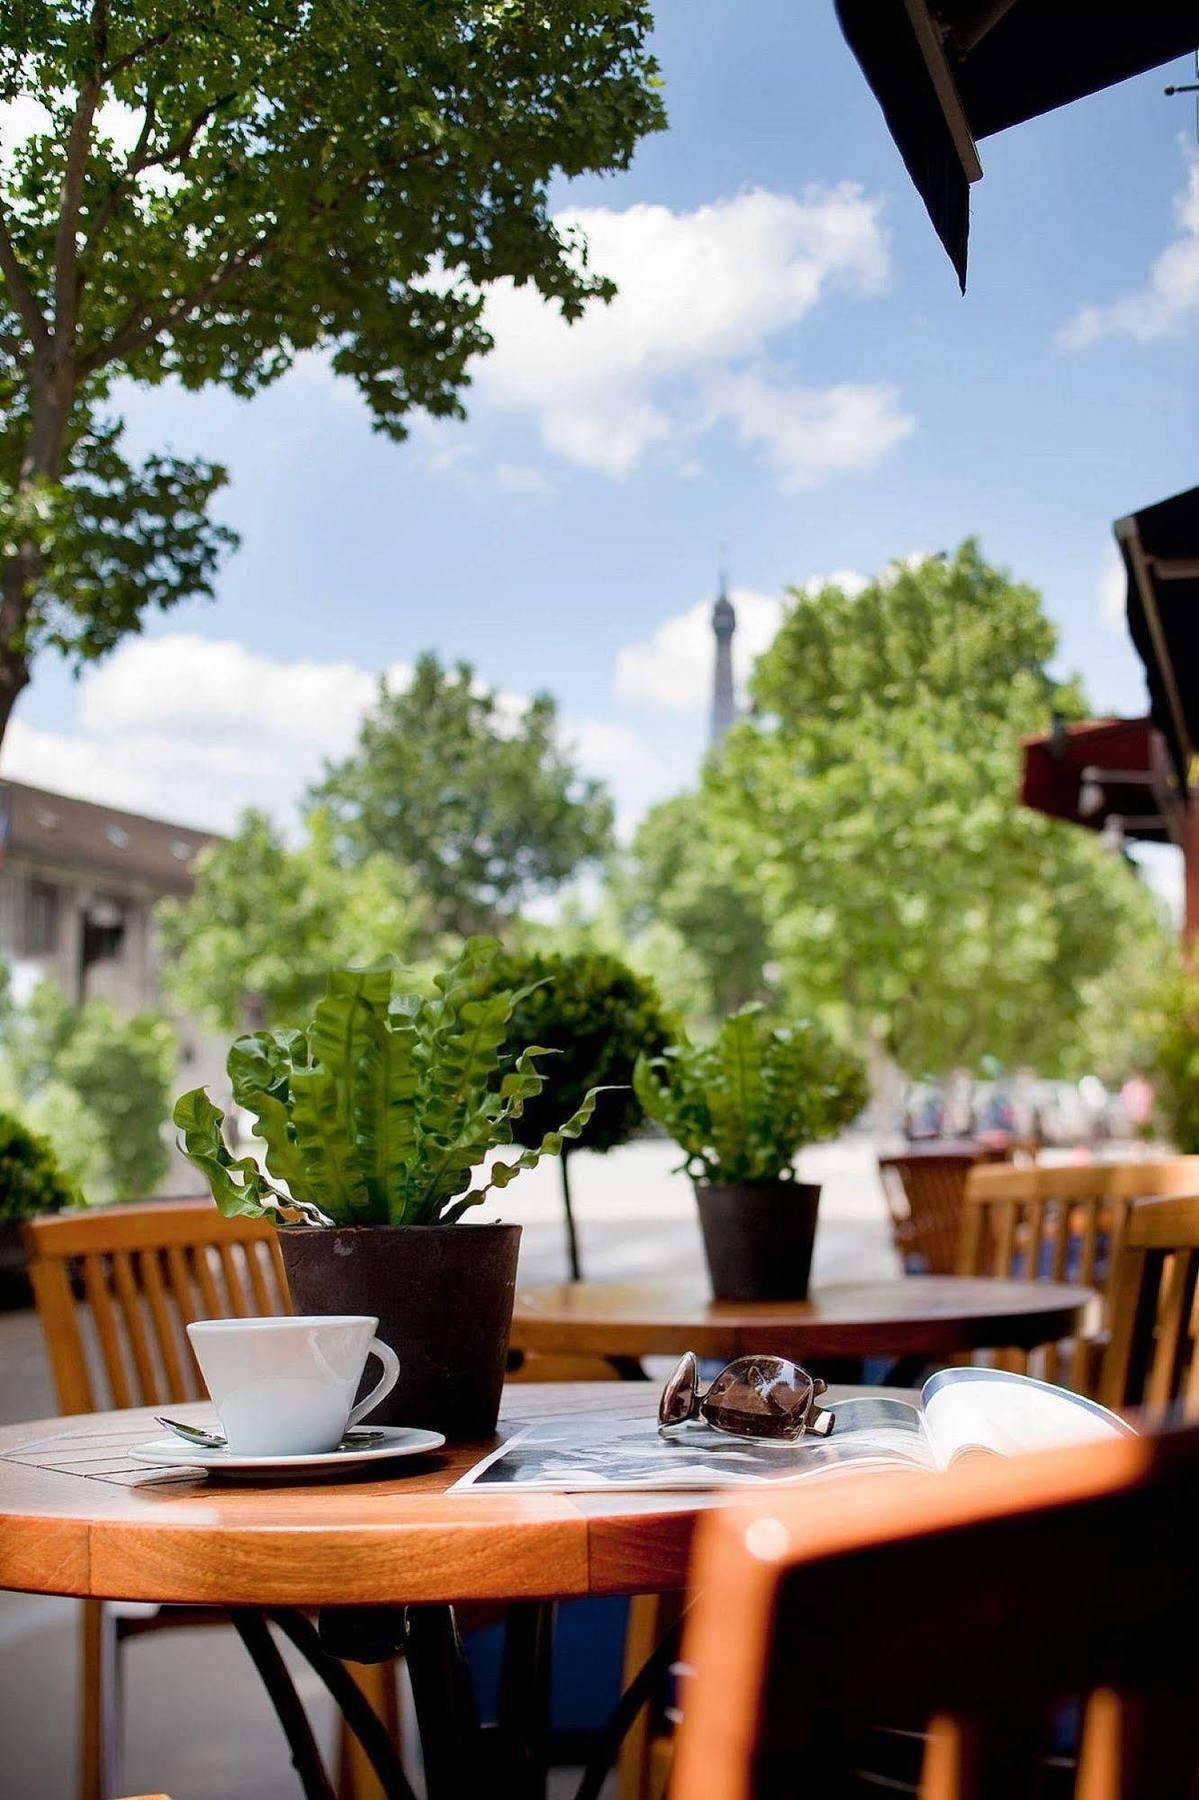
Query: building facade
[[78, 887]]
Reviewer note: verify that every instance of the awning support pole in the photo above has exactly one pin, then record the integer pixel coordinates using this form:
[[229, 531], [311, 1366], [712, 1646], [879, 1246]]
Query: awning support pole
[[1190, 852]]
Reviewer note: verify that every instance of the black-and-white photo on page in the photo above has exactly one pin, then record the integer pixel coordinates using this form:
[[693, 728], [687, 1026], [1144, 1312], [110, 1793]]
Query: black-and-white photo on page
[[959, 1412]]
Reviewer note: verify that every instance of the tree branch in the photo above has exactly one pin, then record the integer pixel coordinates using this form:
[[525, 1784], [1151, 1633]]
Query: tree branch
[[130, 336], [22, 294], [141, 158], [122, 63], [66, 237], [138, 160]]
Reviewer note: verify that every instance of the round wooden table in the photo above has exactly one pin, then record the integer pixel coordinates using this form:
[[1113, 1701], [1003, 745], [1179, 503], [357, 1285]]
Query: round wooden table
[[927, 1316], [78, 1516]]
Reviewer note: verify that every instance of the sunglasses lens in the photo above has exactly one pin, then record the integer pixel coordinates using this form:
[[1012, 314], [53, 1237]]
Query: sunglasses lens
[[760, 1396], [677, 1404]]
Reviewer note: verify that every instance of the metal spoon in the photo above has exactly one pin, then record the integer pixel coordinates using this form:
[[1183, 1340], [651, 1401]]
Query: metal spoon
[[357, 1439]]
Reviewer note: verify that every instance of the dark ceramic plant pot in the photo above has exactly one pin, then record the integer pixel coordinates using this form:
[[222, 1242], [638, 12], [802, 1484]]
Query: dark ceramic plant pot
[[758, 1239], [443, 1296]]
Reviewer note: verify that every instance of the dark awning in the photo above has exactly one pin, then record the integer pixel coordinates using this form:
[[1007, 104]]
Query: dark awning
[[1160, 547], [1106, 774], [948, 74]]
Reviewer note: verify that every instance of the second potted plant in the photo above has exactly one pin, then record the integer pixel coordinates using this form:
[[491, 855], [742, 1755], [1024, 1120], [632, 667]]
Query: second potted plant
[[741, 1107], [377, 1121]]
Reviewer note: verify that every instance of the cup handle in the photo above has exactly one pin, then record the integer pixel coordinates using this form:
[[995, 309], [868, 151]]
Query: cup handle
[[385, 1383]]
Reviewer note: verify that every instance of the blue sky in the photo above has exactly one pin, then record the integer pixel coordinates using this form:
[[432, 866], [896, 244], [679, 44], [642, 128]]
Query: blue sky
[[790, 371]]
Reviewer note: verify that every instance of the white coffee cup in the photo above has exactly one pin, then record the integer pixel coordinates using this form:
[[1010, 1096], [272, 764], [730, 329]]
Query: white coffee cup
[[286, 1386]]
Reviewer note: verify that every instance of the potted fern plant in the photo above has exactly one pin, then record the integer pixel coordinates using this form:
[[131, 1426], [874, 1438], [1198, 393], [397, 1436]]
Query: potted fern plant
[[741, 1107], [377, 1122]]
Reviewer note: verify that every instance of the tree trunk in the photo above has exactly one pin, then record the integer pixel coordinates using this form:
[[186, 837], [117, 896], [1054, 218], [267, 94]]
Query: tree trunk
[[14, 609], [14, 676], [572, 1240], [52, 397]]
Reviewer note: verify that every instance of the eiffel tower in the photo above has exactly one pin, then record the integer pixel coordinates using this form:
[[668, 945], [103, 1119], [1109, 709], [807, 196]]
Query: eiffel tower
[[724, 705]]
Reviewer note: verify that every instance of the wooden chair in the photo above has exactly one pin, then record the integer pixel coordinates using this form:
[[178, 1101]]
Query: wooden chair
[[1150, 1362], [145, 1271], [974, 1609], [1062, 1223], [925, 1192]]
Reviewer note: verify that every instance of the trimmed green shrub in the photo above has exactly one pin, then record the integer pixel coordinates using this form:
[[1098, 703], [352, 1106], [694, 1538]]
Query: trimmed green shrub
[[31, 1180]]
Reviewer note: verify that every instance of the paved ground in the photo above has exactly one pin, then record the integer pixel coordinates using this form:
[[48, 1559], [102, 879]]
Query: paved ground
[[198, 1725]]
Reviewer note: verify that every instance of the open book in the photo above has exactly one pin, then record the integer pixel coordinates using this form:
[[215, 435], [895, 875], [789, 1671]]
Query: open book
[[960, 1412]]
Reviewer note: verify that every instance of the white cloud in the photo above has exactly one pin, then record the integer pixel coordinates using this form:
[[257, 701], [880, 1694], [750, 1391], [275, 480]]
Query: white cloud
[[673, 667], [810, 434], [195, 729], [1113, 591], [1170, 298], [700, 294], [607, 749]]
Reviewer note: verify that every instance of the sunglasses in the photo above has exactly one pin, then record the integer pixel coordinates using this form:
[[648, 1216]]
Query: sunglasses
[[754, 1397]]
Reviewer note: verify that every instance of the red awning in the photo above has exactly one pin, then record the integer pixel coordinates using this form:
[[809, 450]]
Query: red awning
[[1110, 775]]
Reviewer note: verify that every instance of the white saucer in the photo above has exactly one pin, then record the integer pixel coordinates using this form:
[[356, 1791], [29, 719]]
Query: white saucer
[[396, 1441]]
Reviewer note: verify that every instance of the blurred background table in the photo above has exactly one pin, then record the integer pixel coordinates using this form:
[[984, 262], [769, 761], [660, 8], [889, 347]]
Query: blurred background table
[[929, 1317]]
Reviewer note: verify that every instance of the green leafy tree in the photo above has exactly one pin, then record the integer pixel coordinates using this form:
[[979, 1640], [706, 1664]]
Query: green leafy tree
[[97, 1085], [873, 801], [384, 1109], [265, 921], [479, 799], [684, 875], [219, 188], [1173, 1061], [596, 1017]]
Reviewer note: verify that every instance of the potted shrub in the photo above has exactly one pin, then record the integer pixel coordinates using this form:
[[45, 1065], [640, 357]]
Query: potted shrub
[[377, 1121], [741, 1107], [31, 1182], [598, 1016]]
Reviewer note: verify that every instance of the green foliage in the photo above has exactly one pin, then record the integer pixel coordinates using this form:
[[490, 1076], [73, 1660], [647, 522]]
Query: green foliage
[[31, 1179], [218, 190], [265, 922], [872, 801], [481, 803], [742, 1105], [597, 1016], [98, 1085], [383, 1110], [115, 541], [1175, 1064], [685, 876]]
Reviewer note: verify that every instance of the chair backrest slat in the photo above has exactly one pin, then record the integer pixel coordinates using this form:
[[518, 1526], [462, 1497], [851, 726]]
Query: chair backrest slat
[[263, 1300], [1063, 1223], [234, 1288], [130, 1302], [833, 1625], [145, 1272], [167, 1326], [1151, 1357], [201, 1266]]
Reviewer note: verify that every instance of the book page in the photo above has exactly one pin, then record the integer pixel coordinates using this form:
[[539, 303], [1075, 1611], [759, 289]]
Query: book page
[[1008, 1415], [573, 1454]]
